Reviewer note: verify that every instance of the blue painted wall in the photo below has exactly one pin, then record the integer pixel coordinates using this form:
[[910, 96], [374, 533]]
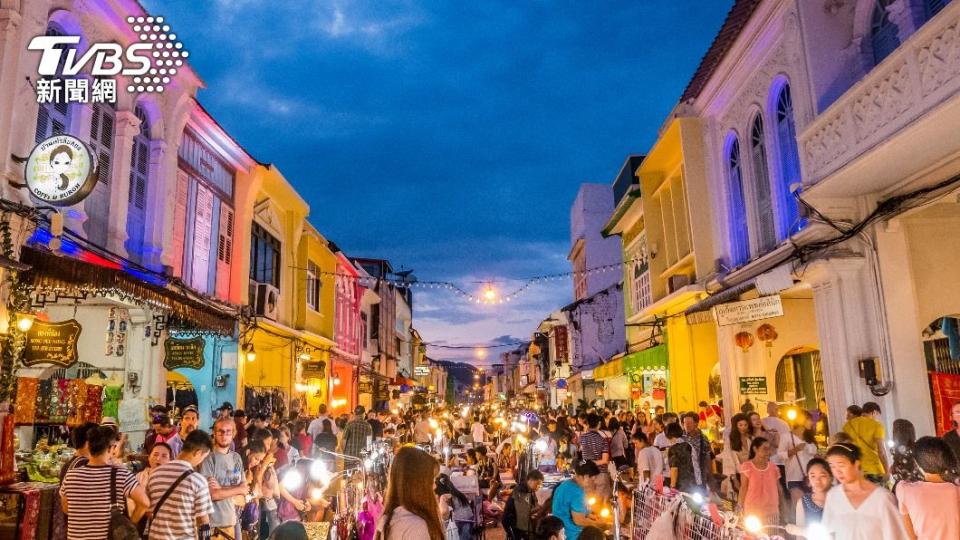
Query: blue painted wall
[[209, 397]]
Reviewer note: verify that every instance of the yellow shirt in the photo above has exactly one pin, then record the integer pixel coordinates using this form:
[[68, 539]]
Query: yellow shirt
[[866, 433]]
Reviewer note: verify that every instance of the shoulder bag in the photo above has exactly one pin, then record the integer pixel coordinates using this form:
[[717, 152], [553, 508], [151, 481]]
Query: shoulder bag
[[121, 526]]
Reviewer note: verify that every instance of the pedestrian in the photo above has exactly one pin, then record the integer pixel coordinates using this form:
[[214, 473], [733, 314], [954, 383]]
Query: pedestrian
[[90, 492], [326, 442], [80, 444], [857, 508], [478, 431], [179, 497], [255, 461], [189, 421], [595, 448], [302, 441], [461, 511], [570, 500], [550, 528], [285, 448], [411, 511], [522, 510], [760, 480], [649, 458], [680, 460], [797, 448], [159, 455], [931, 506], [618, 444], [809, 508], [297, 498], [701, 454], [903, 466], [775, 426], [867, 433], [952, 437], [357, 434], [375, 424], [224, 471], [737, 448]]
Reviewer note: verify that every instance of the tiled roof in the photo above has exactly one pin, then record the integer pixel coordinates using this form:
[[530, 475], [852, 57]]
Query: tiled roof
[[736, 19]]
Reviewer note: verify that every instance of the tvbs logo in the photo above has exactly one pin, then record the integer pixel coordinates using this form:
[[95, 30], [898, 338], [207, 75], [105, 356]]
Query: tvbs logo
[[148, 64]]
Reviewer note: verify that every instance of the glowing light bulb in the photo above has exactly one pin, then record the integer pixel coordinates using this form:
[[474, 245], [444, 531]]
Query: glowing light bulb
[[489, 294], [316, 494], [591, 501], [318, 470], [25, 323], [605, 513], [433, 423], [752, 524], [541, 446], [697, 498], [791, 414], [891, 444], [292, 480]]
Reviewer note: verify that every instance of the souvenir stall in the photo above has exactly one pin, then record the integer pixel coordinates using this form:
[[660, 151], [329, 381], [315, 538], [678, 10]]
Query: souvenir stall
[[87, 349]]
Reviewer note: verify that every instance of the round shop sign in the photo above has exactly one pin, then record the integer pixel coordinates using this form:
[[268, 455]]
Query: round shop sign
[[61, 171]]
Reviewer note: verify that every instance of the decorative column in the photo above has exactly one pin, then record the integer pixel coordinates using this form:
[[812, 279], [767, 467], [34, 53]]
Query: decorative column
[[127, 127], [153, 220]]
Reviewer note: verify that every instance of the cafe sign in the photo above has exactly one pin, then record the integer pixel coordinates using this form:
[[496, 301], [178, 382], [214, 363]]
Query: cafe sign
[[753, 386], [52, 343], [183, 353], [765, 307]]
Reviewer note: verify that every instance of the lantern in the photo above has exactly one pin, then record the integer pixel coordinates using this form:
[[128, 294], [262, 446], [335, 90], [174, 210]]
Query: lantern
[[767, 334], [744, 340]]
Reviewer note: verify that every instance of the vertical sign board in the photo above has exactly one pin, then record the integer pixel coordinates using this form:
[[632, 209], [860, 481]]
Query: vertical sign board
[[753, 385]]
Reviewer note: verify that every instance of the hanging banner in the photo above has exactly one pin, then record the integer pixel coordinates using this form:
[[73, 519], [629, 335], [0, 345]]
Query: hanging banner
[[183, 353], [52, 343], [765, 307], [946, 392]]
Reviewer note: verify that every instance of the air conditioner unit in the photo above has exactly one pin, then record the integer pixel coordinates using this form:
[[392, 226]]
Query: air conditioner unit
[[268, 301], [677, 282], [252, 293]]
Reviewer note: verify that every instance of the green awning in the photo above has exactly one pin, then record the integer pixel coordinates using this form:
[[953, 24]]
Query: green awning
[[652, 359]]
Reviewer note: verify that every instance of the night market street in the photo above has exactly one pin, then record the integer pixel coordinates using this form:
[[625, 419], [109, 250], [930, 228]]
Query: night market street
[[501, 270]]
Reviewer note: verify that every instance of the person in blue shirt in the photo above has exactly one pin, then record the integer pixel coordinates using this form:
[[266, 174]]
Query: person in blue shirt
[[570, 500]]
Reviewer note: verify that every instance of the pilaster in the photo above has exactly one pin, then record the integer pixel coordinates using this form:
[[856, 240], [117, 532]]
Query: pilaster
[[127, 127]]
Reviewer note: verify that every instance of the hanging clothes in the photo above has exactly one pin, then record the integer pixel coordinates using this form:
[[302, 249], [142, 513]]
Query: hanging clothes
[[94, 404], [25, 407], [111, 401]]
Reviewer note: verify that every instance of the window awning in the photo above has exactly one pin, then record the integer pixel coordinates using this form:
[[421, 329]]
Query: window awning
[[613, 368], [51, 273], [652, 359]]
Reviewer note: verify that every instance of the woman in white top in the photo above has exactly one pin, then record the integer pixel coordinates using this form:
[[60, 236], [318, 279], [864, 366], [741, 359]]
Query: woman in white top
[[796, 449], [411, 510], [858, 509]]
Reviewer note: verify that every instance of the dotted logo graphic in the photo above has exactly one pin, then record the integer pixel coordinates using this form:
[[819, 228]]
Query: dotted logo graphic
[[166, 58]]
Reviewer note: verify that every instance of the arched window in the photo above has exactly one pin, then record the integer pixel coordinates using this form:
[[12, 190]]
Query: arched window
[[139, 181], [932, 7], [883, 32], [790, 221], [53, 118], [739, 239], [766, 228]]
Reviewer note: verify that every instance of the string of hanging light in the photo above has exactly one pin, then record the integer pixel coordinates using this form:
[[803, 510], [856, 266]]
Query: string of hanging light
[[488, 293]]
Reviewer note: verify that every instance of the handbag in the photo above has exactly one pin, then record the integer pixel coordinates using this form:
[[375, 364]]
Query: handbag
[[121, 526], [451, 532]]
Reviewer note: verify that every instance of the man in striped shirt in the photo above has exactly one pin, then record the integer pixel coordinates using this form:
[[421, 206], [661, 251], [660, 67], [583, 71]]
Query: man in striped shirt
[[595, 447], [188, 507], [85, 490]]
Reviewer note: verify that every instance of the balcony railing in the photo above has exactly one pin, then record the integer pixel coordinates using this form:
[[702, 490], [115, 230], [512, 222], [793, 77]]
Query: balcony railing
[[919, 75]]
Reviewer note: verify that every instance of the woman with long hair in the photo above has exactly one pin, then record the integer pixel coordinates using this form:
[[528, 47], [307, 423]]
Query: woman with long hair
[[931, 507], [459, 506], [858, 509], [738, 441], [904, 467], [411, 511]]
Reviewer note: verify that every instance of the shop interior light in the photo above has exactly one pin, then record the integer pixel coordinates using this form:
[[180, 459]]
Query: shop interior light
[[24, 322], [336, 380], [591, 501], [752, 524], [304, 356], [605, 513]]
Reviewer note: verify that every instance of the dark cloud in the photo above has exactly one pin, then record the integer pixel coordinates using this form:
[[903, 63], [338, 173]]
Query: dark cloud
[[449, 137]]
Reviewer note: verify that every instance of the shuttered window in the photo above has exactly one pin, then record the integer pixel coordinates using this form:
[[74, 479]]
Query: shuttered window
[[789, 163], [224, 250], [313, 286], [883, 31], [766, 227], [54, 118], [137, 197], [739, 238], [97, 205]]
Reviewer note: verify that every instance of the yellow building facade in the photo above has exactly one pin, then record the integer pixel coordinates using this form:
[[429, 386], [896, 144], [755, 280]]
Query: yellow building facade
[[284, 341], [664, 223]]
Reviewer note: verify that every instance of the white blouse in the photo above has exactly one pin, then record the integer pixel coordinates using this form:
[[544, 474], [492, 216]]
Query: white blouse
[[877, 517]]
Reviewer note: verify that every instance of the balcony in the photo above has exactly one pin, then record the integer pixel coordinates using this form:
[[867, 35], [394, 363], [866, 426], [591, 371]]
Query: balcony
[[897, 120]]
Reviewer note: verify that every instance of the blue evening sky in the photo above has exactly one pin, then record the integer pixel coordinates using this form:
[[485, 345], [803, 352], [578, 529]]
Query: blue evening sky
[[448, 137]]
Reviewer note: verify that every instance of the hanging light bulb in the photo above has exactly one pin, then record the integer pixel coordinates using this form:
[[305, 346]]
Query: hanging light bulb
[[24, 322]]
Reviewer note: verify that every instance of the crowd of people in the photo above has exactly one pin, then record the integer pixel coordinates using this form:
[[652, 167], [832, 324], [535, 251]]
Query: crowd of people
[[772, 471]]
